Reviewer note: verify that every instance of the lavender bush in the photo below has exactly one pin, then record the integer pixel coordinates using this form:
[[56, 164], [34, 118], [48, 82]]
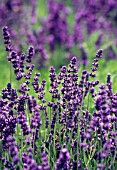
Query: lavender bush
[[71, 126]]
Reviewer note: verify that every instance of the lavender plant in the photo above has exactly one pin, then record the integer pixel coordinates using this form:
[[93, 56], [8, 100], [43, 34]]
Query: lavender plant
[[61, 132], [65, 31]]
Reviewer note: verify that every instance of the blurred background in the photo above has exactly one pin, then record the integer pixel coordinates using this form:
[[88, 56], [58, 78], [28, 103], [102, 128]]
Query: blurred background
[[59, 30]]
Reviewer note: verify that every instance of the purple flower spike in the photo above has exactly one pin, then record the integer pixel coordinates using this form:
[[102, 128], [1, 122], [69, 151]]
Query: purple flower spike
[[63, 159], [44, 161], [7, 40], [30, 54]]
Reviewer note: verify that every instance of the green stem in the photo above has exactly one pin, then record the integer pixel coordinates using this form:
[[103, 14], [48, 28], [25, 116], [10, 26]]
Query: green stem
[[10, 73]]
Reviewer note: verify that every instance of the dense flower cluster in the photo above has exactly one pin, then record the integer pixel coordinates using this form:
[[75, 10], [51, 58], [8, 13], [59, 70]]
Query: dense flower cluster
[[62, 132]]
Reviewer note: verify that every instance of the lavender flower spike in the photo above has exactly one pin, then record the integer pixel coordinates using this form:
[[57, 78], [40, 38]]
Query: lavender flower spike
[[63, 159]]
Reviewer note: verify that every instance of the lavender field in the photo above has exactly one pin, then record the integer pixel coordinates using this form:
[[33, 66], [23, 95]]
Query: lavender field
[[58, 85]]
